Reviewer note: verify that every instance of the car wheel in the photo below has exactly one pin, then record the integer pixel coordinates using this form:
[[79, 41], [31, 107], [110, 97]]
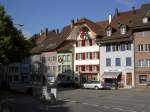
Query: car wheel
[[96, 87]]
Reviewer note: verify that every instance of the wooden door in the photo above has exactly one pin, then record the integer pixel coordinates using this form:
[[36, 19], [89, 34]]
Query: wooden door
[[129, 79]]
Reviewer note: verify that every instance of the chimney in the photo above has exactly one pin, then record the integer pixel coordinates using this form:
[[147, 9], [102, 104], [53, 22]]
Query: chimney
[[41, 32], [46, 31], [54, 31], [110, 18], [133, 9], [72, 23], [57, 31], [117, 12]]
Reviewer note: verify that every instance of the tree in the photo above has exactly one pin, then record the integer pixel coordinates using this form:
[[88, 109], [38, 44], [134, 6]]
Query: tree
[[13, 45]]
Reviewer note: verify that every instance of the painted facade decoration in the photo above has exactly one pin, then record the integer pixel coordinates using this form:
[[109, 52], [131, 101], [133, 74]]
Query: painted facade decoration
[[86, 59]]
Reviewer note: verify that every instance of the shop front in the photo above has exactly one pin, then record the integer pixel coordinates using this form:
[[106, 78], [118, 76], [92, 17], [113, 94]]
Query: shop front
[[85, 77]]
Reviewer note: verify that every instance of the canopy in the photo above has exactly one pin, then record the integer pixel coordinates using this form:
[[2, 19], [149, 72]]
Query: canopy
[[111, 74]]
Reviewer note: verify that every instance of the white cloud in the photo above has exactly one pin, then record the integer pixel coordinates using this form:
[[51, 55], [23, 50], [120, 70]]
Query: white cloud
[[128, 3]]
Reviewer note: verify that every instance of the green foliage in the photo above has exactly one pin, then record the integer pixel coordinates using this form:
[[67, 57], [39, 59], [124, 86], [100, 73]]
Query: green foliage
[[13, 45]]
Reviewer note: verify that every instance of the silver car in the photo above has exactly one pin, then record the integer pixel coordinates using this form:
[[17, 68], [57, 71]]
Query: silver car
[[93, 85]]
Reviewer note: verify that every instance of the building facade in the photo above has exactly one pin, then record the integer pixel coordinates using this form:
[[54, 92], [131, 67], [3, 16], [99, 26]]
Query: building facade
[[141, 32], [86, 51], [117, 50]]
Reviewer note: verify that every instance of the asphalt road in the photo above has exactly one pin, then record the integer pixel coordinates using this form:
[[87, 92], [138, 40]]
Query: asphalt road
[[80, 100], [83, 100]]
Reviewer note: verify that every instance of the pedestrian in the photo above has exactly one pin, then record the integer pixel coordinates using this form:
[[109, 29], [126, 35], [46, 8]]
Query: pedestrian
[[116, 84]]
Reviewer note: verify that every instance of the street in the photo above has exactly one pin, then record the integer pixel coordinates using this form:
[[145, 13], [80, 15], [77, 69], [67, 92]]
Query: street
[[82, 100]]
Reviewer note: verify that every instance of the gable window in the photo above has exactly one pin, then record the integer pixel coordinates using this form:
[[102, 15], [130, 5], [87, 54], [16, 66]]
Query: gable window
[[123, 29], [109, 31], [145, 20]]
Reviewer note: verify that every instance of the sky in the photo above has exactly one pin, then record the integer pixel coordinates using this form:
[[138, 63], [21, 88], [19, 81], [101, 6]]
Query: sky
[[35, 15]]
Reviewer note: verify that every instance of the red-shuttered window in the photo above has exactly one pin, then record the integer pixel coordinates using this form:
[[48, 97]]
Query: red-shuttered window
[[82, 67], [83, 56], [90, 41], [90, 67], [90, 55], [97, 67], [83, 43]]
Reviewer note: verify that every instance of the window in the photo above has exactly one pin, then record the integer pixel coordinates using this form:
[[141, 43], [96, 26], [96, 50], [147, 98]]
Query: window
[[109, 31], [113, 48], [87, 43], [128, 61], [122, 47], [87, 68], [142, 79], [145, 20], [95, 55], [146, 47], [108, 48], [77, 68], [68, 58], [88, 55], [123, 29], [108, 62], [118, 63], [128, 46], [59, 68]]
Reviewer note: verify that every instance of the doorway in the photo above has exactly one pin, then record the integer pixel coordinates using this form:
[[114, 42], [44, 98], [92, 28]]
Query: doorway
[[129, 79]]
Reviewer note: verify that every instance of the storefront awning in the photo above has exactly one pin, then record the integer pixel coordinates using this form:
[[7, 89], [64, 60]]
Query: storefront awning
[[111, 74]]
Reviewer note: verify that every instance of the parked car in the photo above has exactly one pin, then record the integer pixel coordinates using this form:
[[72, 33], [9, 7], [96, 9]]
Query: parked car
[[93, 85]]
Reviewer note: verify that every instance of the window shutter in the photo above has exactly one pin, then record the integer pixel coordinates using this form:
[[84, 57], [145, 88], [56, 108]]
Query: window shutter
[[83, 56], [97, 67], [90, 55], [76, 56]]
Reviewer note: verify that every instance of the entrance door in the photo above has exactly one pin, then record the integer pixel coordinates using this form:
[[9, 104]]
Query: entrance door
[[129, 79]]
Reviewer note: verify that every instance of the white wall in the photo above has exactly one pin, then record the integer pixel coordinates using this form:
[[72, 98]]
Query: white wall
[[117, 54]]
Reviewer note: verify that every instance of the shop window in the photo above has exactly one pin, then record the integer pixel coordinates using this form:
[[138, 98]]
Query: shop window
[[142, 79]]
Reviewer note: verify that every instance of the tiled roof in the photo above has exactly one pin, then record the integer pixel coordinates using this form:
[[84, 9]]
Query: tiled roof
[[66, 46], [144, 11], [92, 25], [52, 41]]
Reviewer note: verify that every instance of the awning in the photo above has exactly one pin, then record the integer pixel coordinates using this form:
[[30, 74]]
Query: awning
[[111, 74]]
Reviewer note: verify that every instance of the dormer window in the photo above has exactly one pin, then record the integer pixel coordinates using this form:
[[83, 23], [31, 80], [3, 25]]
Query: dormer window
[[109, 31], [145, 20], [123, 29]]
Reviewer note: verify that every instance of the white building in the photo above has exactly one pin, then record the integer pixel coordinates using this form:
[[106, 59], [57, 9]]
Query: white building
[[117, 51], [86, 51]]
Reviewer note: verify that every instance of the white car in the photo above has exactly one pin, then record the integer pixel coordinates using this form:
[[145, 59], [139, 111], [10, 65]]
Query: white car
[[93, 85]]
